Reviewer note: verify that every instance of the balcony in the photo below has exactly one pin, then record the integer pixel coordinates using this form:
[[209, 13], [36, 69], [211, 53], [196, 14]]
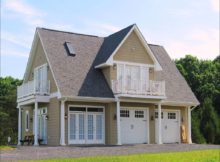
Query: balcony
[[33, 88], [139, 87]]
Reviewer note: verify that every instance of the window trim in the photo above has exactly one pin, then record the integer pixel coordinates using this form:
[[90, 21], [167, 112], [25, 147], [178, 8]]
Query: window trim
[[27, 121]]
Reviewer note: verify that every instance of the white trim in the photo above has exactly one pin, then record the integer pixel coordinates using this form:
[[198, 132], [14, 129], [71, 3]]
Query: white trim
[[36, 124], [102, 65], [118, 122], [133, 64], [89, 99], [189, 125], [141, 96], [86, 106], [19, 125], [27, 121], [31, 56], [147, 118], [159, 138], [62, 123], [177, 103]]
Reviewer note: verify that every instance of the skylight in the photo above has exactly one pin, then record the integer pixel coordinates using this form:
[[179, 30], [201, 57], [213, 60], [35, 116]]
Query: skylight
[[70, 49]]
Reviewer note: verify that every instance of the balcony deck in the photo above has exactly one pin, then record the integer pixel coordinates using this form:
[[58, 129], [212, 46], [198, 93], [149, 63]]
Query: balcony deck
[[153, 89], [31, 89]]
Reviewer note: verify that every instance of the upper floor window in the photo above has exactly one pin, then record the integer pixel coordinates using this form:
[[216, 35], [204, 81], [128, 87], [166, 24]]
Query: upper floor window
[[40, 77]]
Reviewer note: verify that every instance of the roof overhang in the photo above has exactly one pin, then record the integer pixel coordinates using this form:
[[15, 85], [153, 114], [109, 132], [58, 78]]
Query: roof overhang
[[110, 61], [175, 103], [87, 99], [31, 56]]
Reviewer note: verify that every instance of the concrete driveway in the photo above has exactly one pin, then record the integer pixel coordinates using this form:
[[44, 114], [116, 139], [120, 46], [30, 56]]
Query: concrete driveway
[[47, 152]]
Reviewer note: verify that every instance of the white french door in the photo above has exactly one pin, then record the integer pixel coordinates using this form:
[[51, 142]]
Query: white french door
[[95, 128], [133, 78], [86, 127], [42, 124], [77, 125], [40, 77]]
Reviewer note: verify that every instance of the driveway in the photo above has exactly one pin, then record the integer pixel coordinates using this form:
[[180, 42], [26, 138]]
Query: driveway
[[46, 152]]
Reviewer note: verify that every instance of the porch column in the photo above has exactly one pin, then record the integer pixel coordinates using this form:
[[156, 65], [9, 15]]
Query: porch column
[[19, 125], [118, 123], [62, 123], [189, 125], [35, 124], [159, 138]]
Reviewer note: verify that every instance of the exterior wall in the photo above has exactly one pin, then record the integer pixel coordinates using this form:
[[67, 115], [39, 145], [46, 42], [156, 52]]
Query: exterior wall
[[53, 123], [125, 53], [38, 60], [23, 117], [132, 50]]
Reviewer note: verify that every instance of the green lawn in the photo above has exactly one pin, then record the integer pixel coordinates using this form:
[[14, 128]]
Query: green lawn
[[192, 156], [5, 148]]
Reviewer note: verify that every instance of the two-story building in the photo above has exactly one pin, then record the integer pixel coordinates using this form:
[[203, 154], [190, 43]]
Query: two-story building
[[84, 89]]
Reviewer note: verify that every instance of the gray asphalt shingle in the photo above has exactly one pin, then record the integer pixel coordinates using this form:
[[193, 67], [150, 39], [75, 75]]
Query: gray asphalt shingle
[[77, 76]]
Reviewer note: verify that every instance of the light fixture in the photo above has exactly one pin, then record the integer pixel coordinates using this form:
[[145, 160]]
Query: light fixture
[[47, 117], [66, 116], [114, 66], [115, 117]]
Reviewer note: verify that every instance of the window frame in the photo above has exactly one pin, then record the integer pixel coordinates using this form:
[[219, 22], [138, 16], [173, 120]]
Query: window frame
[[27, 121]]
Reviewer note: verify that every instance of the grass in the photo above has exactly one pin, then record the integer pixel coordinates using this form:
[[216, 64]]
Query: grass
[[191, 156], [6, 148]]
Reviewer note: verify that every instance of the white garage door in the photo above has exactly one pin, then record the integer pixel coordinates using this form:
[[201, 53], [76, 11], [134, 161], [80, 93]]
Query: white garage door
[[170, 126], [134, 125]]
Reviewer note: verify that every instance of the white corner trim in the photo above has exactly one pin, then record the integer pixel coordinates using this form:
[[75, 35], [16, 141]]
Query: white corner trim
[[48, 62]]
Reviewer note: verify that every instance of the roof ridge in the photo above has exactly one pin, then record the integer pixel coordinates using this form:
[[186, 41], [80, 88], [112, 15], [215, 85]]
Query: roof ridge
[[56, 30], [121, 30]]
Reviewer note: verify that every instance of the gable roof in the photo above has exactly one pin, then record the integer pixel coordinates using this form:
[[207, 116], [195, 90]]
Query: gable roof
[[113, 42], [78, 77], [110, 44], [75, 76], [177, 89]]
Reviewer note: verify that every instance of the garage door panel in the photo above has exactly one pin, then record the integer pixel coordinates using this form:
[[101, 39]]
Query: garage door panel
[[170, 126], [133, 125]]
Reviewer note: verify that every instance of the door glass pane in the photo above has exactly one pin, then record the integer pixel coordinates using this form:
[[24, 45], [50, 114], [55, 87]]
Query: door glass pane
[[72, 126], [99, 127], [90, 127], [81, 126]]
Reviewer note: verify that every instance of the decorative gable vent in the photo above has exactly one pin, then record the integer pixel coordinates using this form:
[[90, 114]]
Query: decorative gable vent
[[70, 49]]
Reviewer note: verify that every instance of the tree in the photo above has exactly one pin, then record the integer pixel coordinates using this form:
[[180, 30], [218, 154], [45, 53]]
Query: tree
[[209, 121], [8, 111]]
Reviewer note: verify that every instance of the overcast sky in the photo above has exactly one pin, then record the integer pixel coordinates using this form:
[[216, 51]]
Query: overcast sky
[[182, 27]]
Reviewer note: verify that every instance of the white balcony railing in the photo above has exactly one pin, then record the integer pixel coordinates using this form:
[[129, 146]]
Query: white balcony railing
[[139, 87], [33, 88]]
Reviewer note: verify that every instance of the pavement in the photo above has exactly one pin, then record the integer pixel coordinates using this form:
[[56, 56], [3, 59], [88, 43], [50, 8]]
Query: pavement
[[48, 152]]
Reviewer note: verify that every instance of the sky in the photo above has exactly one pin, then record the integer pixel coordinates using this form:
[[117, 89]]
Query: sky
[[182, 27]]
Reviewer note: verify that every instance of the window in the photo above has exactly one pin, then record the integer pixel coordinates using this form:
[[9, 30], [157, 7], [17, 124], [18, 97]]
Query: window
[[95, 109], [27, 121], [139, 114], [124, 113], [156, 115], [171, 115], [77, 109], [70, 49]]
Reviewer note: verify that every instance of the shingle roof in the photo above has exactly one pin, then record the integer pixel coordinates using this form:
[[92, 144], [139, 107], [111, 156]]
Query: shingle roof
[[110, 44], [76, 76], [177, 89]]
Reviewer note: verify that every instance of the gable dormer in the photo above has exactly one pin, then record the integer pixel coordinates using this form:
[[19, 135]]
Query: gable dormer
[[131, 66]]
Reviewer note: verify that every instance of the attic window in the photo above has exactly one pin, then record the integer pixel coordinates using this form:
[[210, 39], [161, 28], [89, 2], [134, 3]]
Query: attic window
[[70, 49]]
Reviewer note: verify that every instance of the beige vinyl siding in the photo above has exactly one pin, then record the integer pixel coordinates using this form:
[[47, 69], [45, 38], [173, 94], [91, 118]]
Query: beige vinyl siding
[[38, 60], [132, 50], [110, 74], [23, 122], [53, 123]]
